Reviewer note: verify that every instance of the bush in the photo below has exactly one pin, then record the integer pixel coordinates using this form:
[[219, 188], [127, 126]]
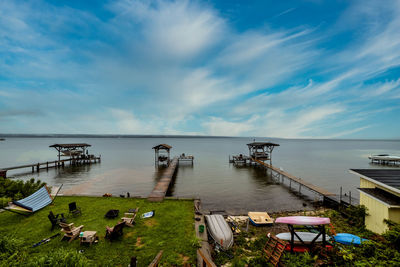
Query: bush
[[18, 189], [357, 215], [60, 257], [4, 201], [392, 235]]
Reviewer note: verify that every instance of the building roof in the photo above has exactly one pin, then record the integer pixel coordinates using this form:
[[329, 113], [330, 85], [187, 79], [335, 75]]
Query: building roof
[[382, 196], [258, 144], [163, 146], [70, 145], [388, 178]]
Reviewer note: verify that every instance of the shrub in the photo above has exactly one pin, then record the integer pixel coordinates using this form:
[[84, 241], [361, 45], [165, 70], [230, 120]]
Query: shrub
[[4, 201], [18, 189], [60, 257], [392, 235]]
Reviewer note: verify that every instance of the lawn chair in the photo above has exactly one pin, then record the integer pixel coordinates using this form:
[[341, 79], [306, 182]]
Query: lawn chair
[[70, 231], [115, 232], [74, 209], [129, 217], [55, 220]]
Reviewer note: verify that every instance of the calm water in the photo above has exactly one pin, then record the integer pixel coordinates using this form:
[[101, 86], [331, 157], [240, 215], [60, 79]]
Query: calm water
[[128, 166]]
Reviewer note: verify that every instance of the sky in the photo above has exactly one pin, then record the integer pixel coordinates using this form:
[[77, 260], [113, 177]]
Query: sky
[[289, 69]]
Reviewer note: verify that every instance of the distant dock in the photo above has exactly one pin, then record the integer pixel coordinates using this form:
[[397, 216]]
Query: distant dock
[[76, 152], [385, 159]]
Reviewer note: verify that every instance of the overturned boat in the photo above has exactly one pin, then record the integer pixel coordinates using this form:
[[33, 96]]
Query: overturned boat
[[219, 231]]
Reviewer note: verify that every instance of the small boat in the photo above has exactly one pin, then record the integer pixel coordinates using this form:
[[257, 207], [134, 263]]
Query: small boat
[[260, 218], [2, 139], [348, 239], [220, 231], [307, 237]]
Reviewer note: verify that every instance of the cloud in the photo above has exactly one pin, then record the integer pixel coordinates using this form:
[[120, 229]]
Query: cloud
[[185, 67]]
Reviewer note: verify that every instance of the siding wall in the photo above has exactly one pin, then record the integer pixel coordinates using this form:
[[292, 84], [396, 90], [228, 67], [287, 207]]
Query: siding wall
[[377, 213]]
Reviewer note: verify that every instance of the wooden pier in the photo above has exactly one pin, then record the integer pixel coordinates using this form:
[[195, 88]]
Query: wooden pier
[[161, 188], [50, 164], [75, 152], [281, 175]]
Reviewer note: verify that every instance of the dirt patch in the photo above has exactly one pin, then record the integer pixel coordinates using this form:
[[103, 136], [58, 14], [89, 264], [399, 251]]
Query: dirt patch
[[129, 234], [139, 242], [150, 222], [184, 258]]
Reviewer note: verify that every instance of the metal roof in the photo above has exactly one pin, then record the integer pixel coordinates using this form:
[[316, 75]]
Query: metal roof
[[389, 178], [70, 145], [163, 146], [262, 144]]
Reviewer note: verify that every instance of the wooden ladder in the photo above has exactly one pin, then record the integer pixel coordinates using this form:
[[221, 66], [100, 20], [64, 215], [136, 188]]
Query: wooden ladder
[[274, 249]]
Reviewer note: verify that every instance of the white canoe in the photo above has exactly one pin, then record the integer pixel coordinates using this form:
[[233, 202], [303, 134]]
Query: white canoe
[[219, 230], [307, 237], [260, 218]]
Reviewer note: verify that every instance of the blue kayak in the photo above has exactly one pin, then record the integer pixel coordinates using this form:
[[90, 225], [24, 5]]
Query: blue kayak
[[348, 239]]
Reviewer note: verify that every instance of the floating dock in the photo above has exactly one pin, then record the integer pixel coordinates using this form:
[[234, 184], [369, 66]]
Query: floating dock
[[161, 188]]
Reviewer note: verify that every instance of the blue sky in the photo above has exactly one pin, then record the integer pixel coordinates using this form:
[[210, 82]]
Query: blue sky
[[293, 69]]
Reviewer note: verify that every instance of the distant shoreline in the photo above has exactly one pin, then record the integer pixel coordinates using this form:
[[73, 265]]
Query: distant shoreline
[[176, 136]]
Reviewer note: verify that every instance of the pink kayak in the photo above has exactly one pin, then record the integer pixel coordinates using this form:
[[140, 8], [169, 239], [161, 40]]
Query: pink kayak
[[303, 220]]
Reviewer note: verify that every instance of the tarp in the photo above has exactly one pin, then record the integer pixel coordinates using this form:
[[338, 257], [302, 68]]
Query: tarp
[[34, 202]]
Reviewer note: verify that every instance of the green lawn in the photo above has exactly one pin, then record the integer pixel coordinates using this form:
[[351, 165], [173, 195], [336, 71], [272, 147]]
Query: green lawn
[[171, 230]]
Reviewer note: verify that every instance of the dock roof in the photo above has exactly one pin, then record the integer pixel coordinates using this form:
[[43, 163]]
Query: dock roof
[[70, 145], [262, 144], [163, 146], [387, 178]]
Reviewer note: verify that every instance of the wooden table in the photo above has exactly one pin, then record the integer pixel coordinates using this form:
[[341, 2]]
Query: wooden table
[[89, 237]]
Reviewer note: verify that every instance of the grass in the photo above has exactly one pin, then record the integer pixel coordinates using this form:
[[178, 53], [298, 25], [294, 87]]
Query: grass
[[171, 230]]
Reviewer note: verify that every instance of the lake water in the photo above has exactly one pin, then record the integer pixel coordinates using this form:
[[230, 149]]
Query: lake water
[[128, 166]]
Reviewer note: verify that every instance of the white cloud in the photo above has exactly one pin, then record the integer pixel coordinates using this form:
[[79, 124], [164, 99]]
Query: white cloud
[[164, 66]]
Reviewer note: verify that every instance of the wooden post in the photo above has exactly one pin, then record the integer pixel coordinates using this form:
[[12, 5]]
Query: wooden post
[[33, 169], [299, 188], [47, 165], [37, 167], [350, 197], [290, 183], [340, 196]]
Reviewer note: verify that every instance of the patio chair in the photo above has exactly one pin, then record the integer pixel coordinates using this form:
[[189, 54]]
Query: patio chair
[[56, 219], [129, 219], [70, 231], [73, 209], [115, 232]]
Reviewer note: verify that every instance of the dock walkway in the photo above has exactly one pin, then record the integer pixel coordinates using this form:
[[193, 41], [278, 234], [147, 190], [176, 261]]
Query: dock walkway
[[51, 164], [300, 181], [161, 188]]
